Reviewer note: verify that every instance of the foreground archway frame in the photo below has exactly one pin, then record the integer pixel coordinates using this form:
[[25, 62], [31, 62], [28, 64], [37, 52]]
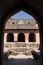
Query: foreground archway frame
[[10, 7]]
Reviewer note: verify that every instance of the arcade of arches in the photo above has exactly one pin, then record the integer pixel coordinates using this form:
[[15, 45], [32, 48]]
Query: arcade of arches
[[21, 42], [21, 37]]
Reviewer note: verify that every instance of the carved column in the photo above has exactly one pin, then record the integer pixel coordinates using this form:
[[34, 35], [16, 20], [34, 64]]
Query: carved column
[[15, 37], [26, 37], [5, 37], [37, 38]]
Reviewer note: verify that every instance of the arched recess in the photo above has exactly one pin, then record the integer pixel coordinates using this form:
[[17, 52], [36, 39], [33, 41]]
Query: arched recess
[[10, 37], [32, 37], [7, 7], [21, 37]]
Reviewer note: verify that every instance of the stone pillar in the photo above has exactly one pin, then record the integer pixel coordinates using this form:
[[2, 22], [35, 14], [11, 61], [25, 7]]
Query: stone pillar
[[15, 37], [37, 37], [5, 37], [26, 37]]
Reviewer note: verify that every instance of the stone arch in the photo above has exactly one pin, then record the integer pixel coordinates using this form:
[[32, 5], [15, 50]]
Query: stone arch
[[32, 37], [10, 37], [13, 6], [21, 37]]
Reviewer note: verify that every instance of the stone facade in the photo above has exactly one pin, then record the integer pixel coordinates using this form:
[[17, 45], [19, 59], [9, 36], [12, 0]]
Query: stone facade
[[23, 27]]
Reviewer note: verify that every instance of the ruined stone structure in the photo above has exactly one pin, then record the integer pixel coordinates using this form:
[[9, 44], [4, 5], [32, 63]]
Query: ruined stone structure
[[21, 36]]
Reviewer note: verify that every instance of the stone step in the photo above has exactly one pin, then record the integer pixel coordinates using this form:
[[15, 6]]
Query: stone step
[[21, 51]]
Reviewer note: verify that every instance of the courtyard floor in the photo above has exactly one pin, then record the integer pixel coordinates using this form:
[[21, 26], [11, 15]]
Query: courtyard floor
[[20, 60]]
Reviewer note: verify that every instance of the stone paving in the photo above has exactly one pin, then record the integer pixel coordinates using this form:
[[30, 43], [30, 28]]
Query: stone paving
[[20, 60]]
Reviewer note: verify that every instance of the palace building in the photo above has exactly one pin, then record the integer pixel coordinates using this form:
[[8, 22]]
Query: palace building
[[21, 36]]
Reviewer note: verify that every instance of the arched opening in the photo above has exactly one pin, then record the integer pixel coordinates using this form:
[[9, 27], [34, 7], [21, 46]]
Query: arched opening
[[21, 37], [32, 37], [10, 37]]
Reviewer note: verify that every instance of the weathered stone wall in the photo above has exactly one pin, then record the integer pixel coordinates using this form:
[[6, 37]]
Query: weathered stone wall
[[21, 47]]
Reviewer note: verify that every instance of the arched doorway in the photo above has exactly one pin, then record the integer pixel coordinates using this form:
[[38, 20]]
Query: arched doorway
[[21, 37], [32, 37], [10, 37]]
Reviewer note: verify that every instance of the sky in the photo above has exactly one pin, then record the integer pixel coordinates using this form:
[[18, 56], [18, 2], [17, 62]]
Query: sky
[[21, 15]]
